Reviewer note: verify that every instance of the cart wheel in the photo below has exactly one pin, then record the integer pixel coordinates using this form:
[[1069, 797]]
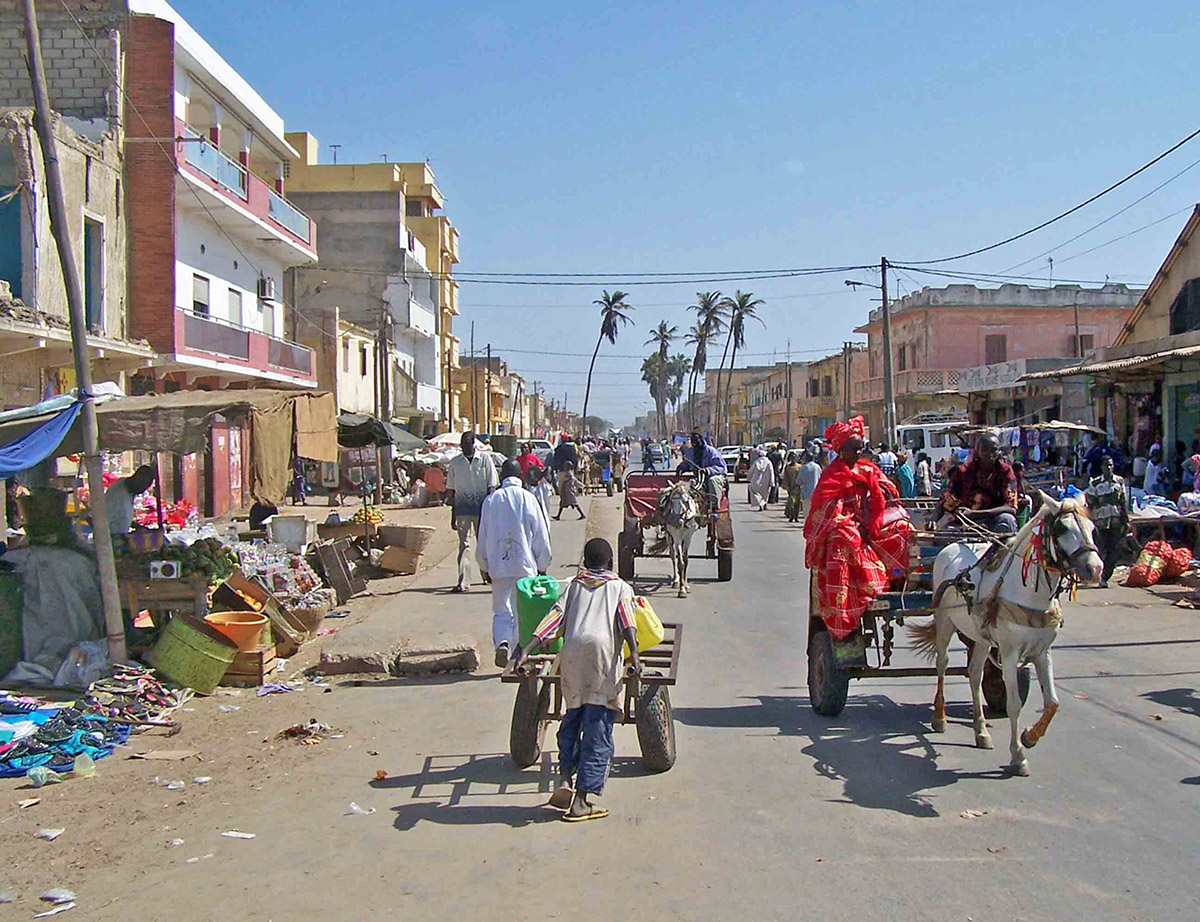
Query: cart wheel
[[994, 691], [620, 484], [724, 564], [828, 685], [609, 488], [529, 722], [624, 556], [656, 728]]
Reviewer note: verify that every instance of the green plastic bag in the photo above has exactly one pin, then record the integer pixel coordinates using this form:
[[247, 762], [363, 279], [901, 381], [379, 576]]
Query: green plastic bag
[[536, 595]]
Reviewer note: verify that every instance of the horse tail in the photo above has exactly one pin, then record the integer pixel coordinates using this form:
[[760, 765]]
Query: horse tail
[[923, 638]]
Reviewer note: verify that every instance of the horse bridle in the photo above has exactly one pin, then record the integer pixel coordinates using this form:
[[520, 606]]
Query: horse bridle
[[1050, 552]]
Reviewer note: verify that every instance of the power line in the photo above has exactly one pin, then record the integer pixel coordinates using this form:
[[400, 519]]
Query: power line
[[1136, 230], [992, 278], [640, 304], [1025, 233], [629, 355]]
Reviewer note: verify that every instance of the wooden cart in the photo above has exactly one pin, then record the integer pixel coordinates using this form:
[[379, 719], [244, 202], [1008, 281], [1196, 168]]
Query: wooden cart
[[646, 703], [833, 663], [642, 489]]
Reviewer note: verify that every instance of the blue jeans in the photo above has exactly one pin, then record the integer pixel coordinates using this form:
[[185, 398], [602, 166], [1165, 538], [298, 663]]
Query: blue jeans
[[585, 746]]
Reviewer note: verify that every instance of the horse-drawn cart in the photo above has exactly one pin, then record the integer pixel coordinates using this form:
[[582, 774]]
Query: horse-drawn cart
[[642, 492], [646, 702], [833, 663]]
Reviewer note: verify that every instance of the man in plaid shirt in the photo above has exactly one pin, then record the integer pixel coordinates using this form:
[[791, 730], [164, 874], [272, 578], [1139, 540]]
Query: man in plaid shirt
[[594, 617]]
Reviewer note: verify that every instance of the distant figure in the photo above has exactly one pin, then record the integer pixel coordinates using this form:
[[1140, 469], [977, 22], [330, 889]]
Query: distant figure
[[119, 497], [762, 479], [471, 479], [887, 460], [1108, 505], [923, 476], [904, 477], [568, 489]]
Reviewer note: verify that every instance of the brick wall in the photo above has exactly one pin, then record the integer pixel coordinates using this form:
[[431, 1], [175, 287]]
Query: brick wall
[[150, 181], [78, 61]]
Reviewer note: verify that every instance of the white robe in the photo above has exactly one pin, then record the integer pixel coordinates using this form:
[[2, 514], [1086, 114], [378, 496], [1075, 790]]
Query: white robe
[[514, 537], [762, 478]]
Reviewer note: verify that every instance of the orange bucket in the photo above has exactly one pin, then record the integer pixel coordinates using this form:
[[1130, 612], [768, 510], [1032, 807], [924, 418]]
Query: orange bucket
[[244, 628]]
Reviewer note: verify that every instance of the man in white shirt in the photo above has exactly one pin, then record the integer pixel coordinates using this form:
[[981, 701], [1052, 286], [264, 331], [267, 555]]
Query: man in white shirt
[[514, 541], [1155, 481], [469, 480], [887, 460], [120, 495]]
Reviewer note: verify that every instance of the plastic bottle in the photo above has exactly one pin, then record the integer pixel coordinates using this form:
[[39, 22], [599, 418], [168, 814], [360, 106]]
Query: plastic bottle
[[41, 775], [85, 766]]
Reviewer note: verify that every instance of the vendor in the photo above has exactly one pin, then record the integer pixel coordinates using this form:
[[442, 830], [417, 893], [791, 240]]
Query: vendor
[[119, 497]]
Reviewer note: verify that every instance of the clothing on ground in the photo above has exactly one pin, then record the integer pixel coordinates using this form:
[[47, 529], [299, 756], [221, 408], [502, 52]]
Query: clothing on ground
[[591, 617], [585, 746], [471, 479], [514, 537]]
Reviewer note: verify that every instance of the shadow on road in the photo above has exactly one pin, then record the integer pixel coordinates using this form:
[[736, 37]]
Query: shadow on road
[[451, 790], [1184, 700], [877, 747]]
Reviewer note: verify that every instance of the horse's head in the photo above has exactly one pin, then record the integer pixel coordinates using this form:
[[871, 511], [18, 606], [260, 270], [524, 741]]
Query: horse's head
[[680, 504], [1071, 547]]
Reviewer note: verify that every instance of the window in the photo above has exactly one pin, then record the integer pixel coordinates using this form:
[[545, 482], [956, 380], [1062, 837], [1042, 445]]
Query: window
[[1185, 309], [826, 386], [346, 354], [1085, 343], [995, 347], [412, 208], [93, 274], [913, 439], [814, 388], [902, 359], [362, 359], [871, 362], [199, 296], [235, 306], [912, 358], [937, 440], [268, 315]]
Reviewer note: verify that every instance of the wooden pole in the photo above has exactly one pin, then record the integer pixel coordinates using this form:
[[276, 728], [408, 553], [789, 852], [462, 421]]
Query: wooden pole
[[114, 623]]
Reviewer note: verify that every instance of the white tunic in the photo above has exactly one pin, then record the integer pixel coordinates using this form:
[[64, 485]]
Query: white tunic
[[514, 538]]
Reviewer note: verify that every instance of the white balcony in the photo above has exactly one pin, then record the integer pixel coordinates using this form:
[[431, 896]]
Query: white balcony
[[429, 398]]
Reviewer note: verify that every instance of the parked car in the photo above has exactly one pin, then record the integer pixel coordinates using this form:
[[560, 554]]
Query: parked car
[[737, 461]]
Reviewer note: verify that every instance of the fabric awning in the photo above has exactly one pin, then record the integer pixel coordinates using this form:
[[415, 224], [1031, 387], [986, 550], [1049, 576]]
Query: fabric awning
[[1141, 362], [357, 430]]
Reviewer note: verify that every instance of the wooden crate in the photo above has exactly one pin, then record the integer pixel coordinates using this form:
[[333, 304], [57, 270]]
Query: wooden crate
[[250, 670], [400, 560]]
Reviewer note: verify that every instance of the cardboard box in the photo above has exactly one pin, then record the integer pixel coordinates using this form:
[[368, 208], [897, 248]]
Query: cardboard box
[[413, 537], [400, 560]]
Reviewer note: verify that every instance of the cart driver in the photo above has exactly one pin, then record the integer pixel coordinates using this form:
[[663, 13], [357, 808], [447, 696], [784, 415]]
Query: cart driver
[[708, 464], [984, 489]]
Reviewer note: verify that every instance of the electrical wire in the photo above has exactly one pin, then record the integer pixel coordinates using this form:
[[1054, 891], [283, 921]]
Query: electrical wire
[[993, 277], [1136, 230], [1070, 211]]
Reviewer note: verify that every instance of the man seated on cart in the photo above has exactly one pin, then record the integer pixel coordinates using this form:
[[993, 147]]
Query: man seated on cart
[[709, 466], [594, 617], [984, 489]]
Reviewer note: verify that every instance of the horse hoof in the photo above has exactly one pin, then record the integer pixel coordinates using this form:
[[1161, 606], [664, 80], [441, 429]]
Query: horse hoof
[[1026, 741], [983, 742], [1020, 769], [938, 726]]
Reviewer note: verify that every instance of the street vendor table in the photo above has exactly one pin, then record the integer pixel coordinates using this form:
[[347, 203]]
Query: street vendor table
[[139, 592], [1155, 526]]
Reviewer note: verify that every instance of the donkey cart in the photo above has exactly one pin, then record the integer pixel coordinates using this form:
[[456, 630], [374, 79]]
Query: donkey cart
[[646, 703], [642, 491], [833, 663]]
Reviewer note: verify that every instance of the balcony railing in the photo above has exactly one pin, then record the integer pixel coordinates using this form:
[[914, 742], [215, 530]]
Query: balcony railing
[[913, 381], [238, 345], [210, 161], [285, 214]]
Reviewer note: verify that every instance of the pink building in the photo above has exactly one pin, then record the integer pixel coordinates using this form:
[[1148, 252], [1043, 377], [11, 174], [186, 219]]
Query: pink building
[[939, 332]]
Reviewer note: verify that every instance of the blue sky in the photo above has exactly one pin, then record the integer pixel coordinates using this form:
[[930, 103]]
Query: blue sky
[[651, 137]]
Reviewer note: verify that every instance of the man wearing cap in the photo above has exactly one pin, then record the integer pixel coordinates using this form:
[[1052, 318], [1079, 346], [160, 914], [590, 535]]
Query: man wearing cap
[[984, 489]]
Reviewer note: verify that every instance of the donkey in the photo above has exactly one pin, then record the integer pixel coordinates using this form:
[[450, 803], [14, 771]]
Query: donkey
[[679, 508], [1006, 596]]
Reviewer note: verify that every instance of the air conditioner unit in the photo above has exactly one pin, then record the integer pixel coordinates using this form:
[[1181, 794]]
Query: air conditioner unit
[[266, 289]]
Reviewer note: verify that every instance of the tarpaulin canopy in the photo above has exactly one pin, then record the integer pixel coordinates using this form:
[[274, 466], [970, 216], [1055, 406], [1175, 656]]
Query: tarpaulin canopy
[[356, 430], [180, 423], [38, 444]]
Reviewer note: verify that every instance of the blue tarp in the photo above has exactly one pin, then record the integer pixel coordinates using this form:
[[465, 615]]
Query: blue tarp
[[37, 444]]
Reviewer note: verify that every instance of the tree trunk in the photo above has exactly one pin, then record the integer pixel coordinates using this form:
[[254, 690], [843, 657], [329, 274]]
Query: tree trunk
[[721, 368], [587, 391], [729, 384]]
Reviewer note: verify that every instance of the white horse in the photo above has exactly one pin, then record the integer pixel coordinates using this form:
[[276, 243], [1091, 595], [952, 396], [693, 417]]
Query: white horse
[[1007, 597], [679, 508]]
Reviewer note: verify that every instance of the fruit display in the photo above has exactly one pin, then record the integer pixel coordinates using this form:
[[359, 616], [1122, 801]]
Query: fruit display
[[207, 557], [371, 514]]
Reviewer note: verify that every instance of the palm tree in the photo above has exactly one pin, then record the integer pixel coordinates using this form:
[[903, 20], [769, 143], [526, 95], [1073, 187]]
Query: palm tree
[[662, 336], [613, 315], [678, 368], [710, 319], [741, 307], [651, 368]]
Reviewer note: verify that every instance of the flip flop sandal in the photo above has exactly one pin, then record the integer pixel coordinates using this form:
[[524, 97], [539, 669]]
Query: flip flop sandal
[[596, 813], [561, 799]]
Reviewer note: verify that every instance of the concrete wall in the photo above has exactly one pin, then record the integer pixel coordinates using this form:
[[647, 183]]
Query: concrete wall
[[1155, 321], [79, 63]]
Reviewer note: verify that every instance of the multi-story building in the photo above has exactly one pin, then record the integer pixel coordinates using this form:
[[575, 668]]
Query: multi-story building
[[937, 332], [374, 271], [824, 390], [492, 396], [210, 228]]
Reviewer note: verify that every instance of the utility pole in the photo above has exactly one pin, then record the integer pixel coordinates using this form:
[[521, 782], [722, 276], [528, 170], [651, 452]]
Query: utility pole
[[474, 383], [512, 420], [533, 411], [1078, 343], [889, 382], [383, 362], [114, 623], [847, 364], [788, 388]]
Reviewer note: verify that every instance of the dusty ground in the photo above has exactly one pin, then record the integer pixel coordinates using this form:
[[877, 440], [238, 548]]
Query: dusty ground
[[770, 813]]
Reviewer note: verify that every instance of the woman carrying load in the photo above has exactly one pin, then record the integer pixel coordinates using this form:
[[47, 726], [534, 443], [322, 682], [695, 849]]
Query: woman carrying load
[[855, 541]]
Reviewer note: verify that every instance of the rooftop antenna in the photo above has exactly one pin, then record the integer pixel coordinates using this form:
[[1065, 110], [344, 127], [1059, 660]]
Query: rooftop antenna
[[334, 148], [383, 157], [1050, 260]]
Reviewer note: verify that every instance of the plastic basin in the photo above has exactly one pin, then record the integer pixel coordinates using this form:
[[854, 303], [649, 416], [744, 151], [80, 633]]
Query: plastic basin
[[244, 628], [192, 653]]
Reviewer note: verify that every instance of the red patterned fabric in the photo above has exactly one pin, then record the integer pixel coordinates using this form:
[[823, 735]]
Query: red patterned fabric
[[837, 433], [850, 570]]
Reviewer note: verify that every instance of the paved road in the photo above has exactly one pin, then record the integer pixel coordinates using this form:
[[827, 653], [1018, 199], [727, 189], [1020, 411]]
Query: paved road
[[770, 813]]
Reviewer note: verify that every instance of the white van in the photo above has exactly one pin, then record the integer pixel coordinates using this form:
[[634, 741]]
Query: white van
[[929, 437]]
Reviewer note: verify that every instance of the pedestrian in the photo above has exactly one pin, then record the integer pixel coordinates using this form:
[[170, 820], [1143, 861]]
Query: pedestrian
[[810, 474], [472, 477], [299, 485], [593, 617], [791, 483], [543, 489], [1108, 504], [1156, 477], [905, 478], [924, 475], [120, 495], [762, 479], [565, 452], [528, 459], [514, 541], [887, 460], [568, 487]]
